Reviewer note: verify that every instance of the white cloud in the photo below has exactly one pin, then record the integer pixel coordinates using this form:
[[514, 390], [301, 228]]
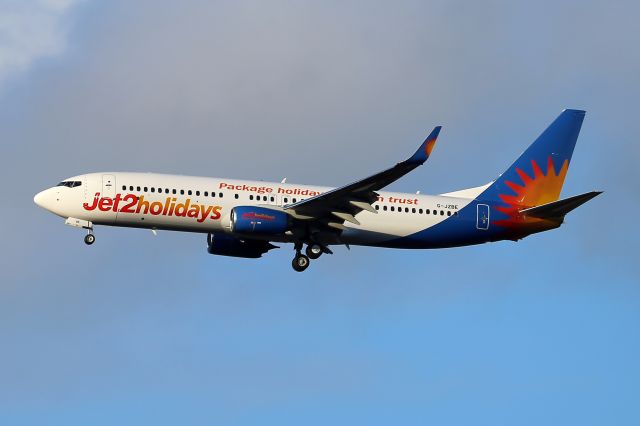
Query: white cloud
[[29, 30]]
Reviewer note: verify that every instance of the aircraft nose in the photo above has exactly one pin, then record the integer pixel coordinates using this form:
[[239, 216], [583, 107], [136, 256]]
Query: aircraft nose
[[46, 199], [39, 198]]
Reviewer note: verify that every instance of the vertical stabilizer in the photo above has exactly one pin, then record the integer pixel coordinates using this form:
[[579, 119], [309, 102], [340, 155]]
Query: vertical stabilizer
[[537, 176]]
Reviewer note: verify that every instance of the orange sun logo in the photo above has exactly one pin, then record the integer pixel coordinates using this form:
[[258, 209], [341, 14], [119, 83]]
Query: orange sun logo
[[539, 189]]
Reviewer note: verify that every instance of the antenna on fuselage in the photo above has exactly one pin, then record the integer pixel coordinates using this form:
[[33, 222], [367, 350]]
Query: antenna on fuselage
[[284, 180]]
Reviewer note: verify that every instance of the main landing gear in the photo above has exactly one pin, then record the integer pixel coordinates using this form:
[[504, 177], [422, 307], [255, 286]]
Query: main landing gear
[[313, 251], [300, 261]]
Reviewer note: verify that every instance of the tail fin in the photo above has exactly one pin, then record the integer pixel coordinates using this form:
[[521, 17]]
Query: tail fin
[[537, 176]]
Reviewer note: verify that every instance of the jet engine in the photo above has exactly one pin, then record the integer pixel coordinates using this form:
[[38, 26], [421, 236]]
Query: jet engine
[[223, 244], [259, 220]]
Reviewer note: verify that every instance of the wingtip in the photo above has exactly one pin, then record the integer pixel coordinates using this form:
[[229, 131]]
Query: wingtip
[[424, 151], [431, 140]]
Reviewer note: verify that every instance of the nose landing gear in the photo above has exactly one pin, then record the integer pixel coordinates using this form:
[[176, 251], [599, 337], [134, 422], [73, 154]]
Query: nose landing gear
[[89, 238]]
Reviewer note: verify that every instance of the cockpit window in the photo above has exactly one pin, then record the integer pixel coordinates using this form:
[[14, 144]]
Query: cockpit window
[[70, 183]]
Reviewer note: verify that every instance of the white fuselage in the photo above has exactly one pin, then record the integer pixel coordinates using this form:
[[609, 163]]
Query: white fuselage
[[201, 204]]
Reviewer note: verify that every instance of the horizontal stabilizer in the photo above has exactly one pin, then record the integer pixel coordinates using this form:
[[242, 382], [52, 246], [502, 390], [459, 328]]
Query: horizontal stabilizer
[[558, 209]]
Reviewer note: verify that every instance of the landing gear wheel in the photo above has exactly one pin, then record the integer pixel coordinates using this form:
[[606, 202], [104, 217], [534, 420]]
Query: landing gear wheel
[[300, 262], [89, 239], [313, 251]]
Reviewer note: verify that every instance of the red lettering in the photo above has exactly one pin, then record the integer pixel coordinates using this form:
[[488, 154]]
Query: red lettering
[[193, 211], [181, 209], [142, 203], [116, 201], [166, 206], [156, 208], [94, 205], [131, 201], [105, 204], [216, 213], [204, 212]]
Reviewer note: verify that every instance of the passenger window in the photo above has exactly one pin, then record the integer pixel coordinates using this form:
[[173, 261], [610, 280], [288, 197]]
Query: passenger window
[[138, 188], [273, 199], [384, 208], [441, 213], [251, 197], [393, 209], [406, 209], [213, 194], [146, 189], [220, 194], [153, 189], [264, 198], [182, 192], [236, 196], [173, 191], [455, 213], [159, 190], [448, 213], [286, 200], [198, 193], [131, 188], [377, 207], [124, 187], [295, 201], [413, 210], [206, 193], [427, 211], [189, 192], [420, 211]]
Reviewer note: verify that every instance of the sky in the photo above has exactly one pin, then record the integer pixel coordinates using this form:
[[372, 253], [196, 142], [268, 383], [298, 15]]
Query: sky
[[143, 329]]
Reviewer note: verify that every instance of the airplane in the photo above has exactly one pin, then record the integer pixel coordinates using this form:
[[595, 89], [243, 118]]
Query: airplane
[[243, 218]]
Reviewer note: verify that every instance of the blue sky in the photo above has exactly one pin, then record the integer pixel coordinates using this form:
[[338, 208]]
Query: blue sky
[[140, 329]]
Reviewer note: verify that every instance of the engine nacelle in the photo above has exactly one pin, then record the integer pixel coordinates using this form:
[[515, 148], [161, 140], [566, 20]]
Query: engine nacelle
[[259, 220], [223, 244]]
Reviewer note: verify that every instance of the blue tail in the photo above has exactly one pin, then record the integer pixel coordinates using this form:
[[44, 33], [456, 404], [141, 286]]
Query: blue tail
[[537, 176]]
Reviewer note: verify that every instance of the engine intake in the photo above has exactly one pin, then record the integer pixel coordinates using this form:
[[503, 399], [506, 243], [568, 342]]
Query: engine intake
[[259, 220]]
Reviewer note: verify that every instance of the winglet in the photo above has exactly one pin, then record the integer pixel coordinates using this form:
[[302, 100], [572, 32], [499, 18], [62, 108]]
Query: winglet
[[425, 149]]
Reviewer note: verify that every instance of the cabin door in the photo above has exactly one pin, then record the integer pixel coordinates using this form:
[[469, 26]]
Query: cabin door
[[108, 186]]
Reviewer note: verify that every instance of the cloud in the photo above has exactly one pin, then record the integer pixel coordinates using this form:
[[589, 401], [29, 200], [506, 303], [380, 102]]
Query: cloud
[[31, 30]]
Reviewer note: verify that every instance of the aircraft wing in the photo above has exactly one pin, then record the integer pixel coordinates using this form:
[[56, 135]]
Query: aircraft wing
[[334, 207]]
